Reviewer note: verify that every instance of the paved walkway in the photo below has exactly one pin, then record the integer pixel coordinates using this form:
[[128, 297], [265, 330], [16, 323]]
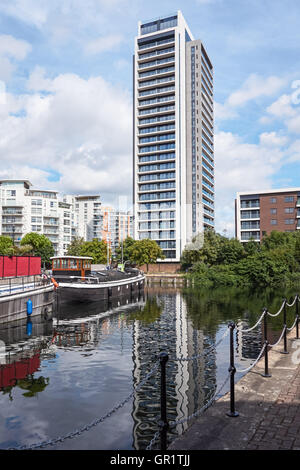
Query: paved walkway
[[269, 410]]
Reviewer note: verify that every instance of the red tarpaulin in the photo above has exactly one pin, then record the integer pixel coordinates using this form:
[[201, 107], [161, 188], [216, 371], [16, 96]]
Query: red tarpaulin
[[11, 266]]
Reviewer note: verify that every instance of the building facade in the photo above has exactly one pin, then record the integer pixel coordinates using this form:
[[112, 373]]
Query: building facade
[[24, 209], [90, 220], [258, 213], [173, 135]]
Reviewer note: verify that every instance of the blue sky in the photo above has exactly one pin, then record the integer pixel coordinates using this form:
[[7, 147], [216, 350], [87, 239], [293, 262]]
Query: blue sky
[[65, 92]]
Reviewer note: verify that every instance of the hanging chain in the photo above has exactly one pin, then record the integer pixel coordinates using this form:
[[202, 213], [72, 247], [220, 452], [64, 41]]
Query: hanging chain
[[94, 423]]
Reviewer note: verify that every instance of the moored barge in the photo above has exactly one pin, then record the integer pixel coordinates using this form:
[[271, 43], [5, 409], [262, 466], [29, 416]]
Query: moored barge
[[78, 283]]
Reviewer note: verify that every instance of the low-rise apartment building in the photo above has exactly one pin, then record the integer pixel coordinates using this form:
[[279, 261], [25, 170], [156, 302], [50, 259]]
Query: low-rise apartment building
[[24, 209], [257, 213]]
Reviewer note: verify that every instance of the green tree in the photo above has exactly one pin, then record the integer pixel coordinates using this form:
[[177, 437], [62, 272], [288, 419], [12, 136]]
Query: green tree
[[145, 252], [6, 246], [75, 246], [96, 249], [230, 250], [23, 250], [297, 250], [41, 246], [127, 244]]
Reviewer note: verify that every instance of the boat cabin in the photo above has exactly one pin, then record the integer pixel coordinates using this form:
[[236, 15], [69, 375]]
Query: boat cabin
[[71, 265]]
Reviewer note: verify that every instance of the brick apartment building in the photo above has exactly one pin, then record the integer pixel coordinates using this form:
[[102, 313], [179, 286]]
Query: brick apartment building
[[258, 213]]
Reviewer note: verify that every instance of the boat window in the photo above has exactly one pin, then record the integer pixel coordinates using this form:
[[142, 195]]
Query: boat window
[[56, 263], [73, 264], [64, 263]]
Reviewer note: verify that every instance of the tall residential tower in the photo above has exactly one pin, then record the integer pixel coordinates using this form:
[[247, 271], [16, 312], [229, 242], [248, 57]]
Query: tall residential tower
[[173, 135]]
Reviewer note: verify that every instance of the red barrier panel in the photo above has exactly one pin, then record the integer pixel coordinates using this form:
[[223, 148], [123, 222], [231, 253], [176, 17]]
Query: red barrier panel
[[35, 265], [22, 266], [12, 266]]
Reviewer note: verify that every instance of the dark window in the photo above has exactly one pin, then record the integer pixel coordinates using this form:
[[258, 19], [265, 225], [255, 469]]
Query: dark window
[[289, 199]]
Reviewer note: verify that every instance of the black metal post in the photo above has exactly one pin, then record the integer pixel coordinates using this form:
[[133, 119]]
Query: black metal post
[[232, 413], [163, 423], [266, 373], [297, 317], [285, 351]]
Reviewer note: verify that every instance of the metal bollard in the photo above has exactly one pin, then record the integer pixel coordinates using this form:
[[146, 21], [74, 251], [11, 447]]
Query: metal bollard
[[297, 317], [285, 351], [163, 423], [232, 413], [266, 373]]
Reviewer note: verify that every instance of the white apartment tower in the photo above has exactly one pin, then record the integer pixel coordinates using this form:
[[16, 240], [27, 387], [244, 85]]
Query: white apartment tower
[[173, 135]]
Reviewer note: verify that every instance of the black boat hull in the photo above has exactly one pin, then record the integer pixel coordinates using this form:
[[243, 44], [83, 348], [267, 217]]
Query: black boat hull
[[99, 292]]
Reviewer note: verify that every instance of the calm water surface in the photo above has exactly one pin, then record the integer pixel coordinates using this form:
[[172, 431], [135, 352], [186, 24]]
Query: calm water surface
[[58, 375]]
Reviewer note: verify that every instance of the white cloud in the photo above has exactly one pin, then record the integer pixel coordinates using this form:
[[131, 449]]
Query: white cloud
[[287, 110], [81, 130], [10, 46], [282, 107], [28, 11], [241, 166], [11, 50], [254, 87], [224, 112], [272, 139], [102, 44]]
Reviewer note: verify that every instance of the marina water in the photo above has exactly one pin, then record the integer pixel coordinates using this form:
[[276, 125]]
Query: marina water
[[62, 373]]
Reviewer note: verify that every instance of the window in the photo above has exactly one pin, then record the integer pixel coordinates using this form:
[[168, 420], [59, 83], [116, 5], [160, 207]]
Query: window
[[289, 199], [273, 200], [289, 221], [273, 211], [64, 263], [273, 222], [289, 210]]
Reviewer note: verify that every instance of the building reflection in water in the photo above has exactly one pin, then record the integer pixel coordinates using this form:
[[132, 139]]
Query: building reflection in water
[[21, 355], [188, 382], [162, 320]]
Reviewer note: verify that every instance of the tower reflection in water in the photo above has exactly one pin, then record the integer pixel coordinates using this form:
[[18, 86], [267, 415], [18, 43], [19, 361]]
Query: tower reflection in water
[[162, 320], [189, 383]]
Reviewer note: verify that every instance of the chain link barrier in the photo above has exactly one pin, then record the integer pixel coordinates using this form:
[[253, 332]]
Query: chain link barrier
[[172, 424], [293, 326], [293, 303], [202, 409], [253, 327], [198, 356], [279, 311], [151, 443], [255, 362], [281, 336], [94, 423]]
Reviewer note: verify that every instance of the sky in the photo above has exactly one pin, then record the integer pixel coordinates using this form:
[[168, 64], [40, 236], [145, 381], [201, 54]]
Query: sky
[[66, 93]]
